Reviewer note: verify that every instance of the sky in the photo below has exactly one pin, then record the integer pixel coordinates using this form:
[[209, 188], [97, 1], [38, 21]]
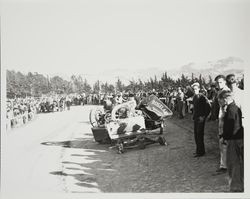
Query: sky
[[95, 36]]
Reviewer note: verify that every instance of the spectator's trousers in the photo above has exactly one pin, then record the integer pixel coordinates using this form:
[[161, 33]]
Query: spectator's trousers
[[223, 154], [180, 107], [222, 145], [214, 111], [235, 165], [199, 136]]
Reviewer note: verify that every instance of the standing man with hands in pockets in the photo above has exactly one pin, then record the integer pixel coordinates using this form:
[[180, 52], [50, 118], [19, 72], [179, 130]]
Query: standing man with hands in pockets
[[201, 110]]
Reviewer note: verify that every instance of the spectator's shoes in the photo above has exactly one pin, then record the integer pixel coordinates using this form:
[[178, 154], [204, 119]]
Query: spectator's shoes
[[199, 155], [236, 190], [221, 170]]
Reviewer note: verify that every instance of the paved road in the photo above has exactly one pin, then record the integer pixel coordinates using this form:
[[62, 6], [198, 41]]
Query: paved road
[[56, 153]]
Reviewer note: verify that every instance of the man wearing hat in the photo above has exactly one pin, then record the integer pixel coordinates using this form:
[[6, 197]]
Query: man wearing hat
[[200, 111]]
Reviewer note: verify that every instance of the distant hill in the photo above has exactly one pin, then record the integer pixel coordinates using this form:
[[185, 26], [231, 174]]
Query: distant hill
[[214, 68], [211, 68]]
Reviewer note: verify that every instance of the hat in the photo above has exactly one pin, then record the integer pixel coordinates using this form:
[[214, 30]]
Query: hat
[[195, 84], [231, 79]]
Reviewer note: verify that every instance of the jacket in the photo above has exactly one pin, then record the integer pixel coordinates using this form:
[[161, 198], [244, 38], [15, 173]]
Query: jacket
[[232, 128], [202, 106]]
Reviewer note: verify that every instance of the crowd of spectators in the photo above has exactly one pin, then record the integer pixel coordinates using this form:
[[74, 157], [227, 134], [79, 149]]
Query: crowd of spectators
[[178, 99], [22, 110]]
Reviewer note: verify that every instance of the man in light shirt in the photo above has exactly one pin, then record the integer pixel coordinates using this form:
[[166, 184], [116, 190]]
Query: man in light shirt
[[236, 92], [221, 83]]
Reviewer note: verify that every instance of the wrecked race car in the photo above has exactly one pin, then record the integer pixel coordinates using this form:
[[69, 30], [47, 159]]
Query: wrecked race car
[[129, 125]]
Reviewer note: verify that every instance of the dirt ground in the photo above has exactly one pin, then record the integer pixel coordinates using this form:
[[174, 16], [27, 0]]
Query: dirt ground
[[158, 168]]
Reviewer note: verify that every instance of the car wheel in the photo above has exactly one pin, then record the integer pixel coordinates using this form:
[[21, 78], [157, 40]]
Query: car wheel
[[120, 148], [141, 145], [162, 141]]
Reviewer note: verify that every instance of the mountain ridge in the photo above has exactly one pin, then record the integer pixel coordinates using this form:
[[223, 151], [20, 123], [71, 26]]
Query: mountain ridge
[[225, 66], [207, 69]]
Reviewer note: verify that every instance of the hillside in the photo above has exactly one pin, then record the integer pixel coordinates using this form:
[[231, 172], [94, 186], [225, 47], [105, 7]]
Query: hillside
[[211, 68]]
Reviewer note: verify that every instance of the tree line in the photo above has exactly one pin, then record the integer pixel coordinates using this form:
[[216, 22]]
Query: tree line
[[35, 84]]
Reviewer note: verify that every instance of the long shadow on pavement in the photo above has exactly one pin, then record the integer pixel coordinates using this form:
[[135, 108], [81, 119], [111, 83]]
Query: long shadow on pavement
[[89, 164], [94, 166]]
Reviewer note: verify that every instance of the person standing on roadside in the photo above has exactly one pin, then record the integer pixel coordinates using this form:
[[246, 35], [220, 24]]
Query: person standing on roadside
[[212, 94], [237, 92], [221, 83], [68, 102], [180, 102], [233, 133], [201, 110]]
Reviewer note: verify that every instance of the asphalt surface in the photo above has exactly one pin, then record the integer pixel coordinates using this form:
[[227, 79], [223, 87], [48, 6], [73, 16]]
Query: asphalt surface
[[56, 153]]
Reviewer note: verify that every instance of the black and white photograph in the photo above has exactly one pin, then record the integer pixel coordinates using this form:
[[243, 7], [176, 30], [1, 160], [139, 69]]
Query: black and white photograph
[[130, 98]]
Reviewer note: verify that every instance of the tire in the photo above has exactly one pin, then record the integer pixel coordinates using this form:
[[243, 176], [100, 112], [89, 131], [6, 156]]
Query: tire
[[107, 141], [91, 120], [141, 145], [161, 130], [161, 127], [120, 148], [94, 116], [162, 141]]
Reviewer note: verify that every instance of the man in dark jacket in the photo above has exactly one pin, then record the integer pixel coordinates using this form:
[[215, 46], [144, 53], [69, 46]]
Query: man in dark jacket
[[233, 134], [200, 111], [212, 94]]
